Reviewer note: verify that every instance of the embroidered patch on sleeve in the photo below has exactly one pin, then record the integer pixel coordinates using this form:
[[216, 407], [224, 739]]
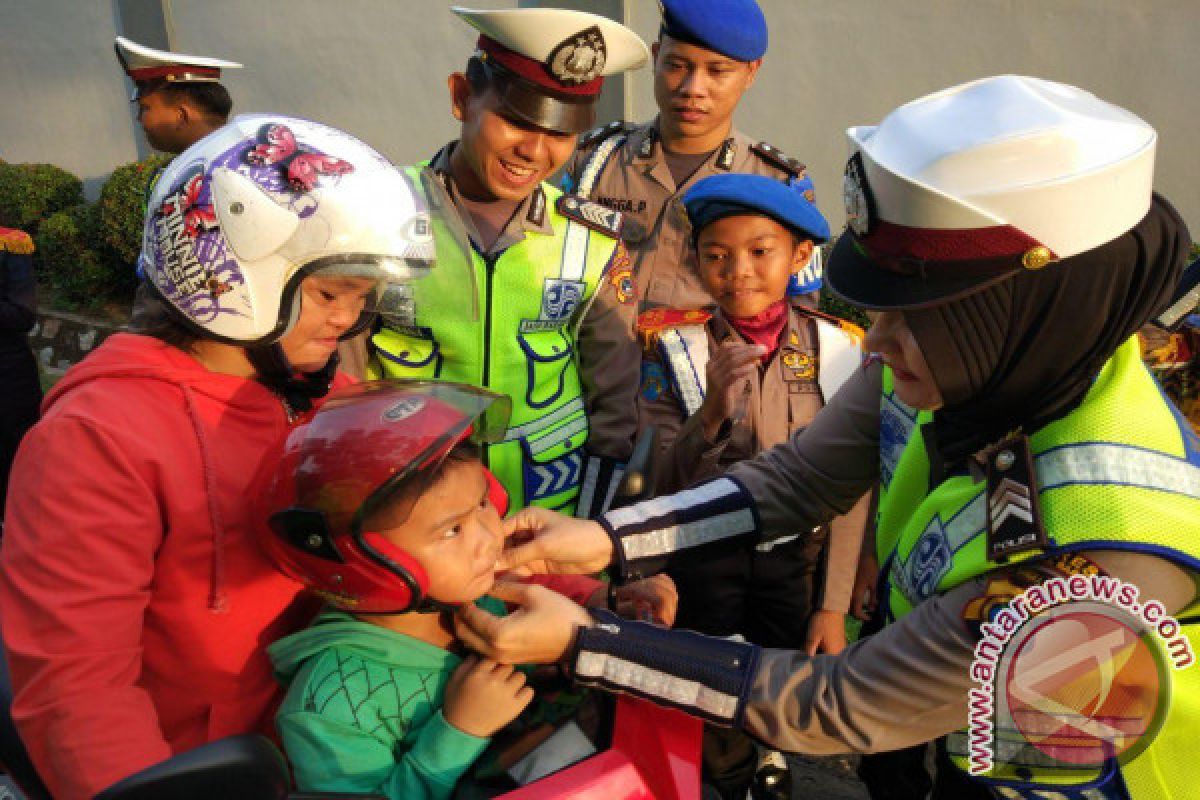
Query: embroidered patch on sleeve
[[620, 274], [1002, 586]]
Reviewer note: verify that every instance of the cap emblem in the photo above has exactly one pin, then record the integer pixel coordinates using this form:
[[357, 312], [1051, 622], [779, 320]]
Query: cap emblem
[[857, 196], [1036, 258], [578, 58]]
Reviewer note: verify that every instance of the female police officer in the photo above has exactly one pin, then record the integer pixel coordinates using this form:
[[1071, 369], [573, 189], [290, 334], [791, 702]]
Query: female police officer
[[1007, 235]]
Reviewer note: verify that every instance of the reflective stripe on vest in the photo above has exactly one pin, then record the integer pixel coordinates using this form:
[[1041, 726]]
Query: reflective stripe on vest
[[1107, 478], [531, 299]]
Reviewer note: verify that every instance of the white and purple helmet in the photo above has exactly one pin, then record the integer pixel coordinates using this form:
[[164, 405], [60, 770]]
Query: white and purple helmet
[[237, 220]]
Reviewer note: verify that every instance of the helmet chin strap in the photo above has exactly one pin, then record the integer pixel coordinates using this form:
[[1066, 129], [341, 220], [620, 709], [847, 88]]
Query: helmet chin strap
[[430, 606], [276, 373]]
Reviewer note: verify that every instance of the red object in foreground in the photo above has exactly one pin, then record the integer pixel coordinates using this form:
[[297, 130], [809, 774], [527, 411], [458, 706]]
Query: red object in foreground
[[655, 755]]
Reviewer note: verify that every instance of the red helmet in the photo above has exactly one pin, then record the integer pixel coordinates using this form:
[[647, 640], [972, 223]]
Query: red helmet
[[344, 462]]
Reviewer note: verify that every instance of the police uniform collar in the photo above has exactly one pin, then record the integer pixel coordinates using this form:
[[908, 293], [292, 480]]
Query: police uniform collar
[[532, 214]]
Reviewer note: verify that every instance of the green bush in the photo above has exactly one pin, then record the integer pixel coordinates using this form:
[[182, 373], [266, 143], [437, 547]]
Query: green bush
[[123, 204], [78, 273], [29, 193]]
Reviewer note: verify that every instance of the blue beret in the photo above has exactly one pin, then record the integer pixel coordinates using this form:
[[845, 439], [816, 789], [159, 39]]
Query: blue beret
[[733, 28], [733, 193]]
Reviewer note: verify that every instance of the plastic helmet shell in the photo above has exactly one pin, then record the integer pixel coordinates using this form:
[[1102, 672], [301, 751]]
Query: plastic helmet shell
[[238, 219], [350, 458]]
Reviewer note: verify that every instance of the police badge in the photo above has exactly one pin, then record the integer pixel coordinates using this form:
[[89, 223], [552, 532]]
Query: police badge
[[860, 206], [578, 58]]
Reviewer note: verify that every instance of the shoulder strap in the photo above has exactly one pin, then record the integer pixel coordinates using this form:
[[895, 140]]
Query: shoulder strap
[[599, 158], [778, 159]]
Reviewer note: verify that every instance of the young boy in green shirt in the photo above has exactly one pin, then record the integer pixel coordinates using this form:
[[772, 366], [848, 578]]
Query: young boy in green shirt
[[380, 504]]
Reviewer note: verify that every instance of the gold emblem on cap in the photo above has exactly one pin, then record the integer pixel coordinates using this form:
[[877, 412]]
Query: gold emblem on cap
[[1036, 257]]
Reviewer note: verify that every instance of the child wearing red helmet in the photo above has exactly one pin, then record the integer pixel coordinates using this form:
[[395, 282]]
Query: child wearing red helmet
[[380, 504]]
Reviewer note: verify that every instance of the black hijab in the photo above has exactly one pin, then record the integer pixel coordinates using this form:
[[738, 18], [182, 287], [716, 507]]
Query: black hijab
[[1024, 352]]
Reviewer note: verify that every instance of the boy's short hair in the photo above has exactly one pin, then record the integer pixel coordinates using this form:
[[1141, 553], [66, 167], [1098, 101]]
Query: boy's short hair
[[212, 99], [396, 506]]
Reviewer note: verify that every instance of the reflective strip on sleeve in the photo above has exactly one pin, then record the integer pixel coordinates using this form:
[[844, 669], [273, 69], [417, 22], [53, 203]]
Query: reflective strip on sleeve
[[1121, 465], [716, 510], [617, 673]]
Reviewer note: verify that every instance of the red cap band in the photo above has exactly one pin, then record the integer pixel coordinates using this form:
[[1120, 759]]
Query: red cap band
[[889, 240], [534, 71], [175, 71]]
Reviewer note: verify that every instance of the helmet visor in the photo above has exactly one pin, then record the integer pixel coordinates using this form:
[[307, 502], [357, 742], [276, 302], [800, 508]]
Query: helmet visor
[[362, 447]]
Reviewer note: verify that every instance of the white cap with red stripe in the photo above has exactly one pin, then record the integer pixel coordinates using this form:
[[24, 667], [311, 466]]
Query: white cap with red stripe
[[143, 63], [961, 188]]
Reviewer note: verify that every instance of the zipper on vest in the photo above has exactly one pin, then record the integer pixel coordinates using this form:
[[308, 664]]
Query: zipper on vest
[[489, 261]]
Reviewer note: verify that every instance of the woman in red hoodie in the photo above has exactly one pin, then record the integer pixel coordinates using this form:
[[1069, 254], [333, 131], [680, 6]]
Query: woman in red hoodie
[[135, 604]]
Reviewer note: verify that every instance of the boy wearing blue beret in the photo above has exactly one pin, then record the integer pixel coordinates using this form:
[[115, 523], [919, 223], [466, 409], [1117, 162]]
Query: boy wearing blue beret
[[737, 379]]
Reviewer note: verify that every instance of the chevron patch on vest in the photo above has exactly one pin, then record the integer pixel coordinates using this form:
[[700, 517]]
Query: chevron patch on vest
[[544, 480], [1014, 521], [590, 215]]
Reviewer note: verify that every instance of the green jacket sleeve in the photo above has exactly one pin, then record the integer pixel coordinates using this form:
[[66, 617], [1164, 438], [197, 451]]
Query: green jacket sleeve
[[332, 756]]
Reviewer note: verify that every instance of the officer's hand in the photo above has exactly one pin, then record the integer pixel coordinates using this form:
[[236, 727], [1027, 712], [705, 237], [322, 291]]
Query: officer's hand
[[826, 633], [728, 374], [538, 631], [652, 599], [544, 541]]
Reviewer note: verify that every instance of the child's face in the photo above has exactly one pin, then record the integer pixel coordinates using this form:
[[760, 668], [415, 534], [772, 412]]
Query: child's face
[[745, 262], [455, 533], [329, 306]]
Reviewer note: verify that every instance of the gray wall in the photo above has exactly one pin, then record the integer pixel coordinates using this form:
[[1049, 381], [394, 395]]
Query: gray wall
[[378, 68], [834, 64]]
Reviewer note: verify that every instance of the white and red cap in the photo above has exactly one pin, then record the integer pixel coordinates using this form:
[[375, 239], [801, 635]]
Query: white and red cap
[[957, 190], [550, 63], [143, 64]]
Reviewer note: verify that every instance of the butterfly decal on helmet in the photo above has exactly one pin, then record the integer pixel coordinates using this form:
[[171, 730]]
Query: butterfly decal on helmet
[[301, 167], [197, 217]]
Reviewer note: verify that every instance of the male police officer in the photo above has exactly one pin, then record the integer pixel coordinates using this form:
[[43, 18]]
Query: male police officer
[[180, 97], [180, 100], [1021, 449], [555, 286], [707, 55]]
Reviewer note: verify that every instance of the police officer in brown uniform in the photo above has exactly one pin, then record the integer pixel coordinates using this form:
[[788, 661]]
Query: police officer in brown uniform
[[707, 55]]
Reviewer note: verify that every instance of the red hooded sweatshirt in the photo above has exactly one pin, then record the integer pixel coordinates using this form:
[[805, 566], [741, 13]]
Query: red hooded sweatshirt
[[135, 603]]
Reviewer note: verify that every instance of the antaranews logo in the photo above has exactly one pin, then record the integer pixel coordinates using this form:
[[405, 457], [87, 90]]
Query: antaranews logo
[[1071, 672]]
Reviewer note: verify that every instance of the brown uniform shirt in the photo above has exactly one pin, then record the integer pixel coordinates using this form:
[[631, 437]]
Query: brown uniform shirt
[[785, 399], [637, 182]]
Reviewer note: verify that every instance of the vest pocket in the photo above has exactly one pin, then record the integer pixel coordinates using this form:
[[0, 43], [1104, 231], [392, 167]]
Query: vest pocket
[[412, 353], [547, 357]]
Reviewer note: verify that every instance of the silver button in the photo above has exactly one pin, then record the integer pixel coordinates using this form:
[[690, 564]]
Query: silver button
[[1005, 459]]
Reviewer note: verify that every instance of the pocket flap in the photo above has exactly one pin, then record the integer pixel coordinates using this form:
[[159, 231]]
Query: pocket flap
[[415, 349], [546, 346]]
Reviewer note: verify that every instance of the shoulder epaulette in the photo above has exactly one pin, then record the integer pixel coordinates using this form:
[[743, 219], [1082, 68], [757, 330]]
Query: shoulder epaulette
[[845, 326], [777, 158], [15, 241], [592, 215], [597, 135]]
